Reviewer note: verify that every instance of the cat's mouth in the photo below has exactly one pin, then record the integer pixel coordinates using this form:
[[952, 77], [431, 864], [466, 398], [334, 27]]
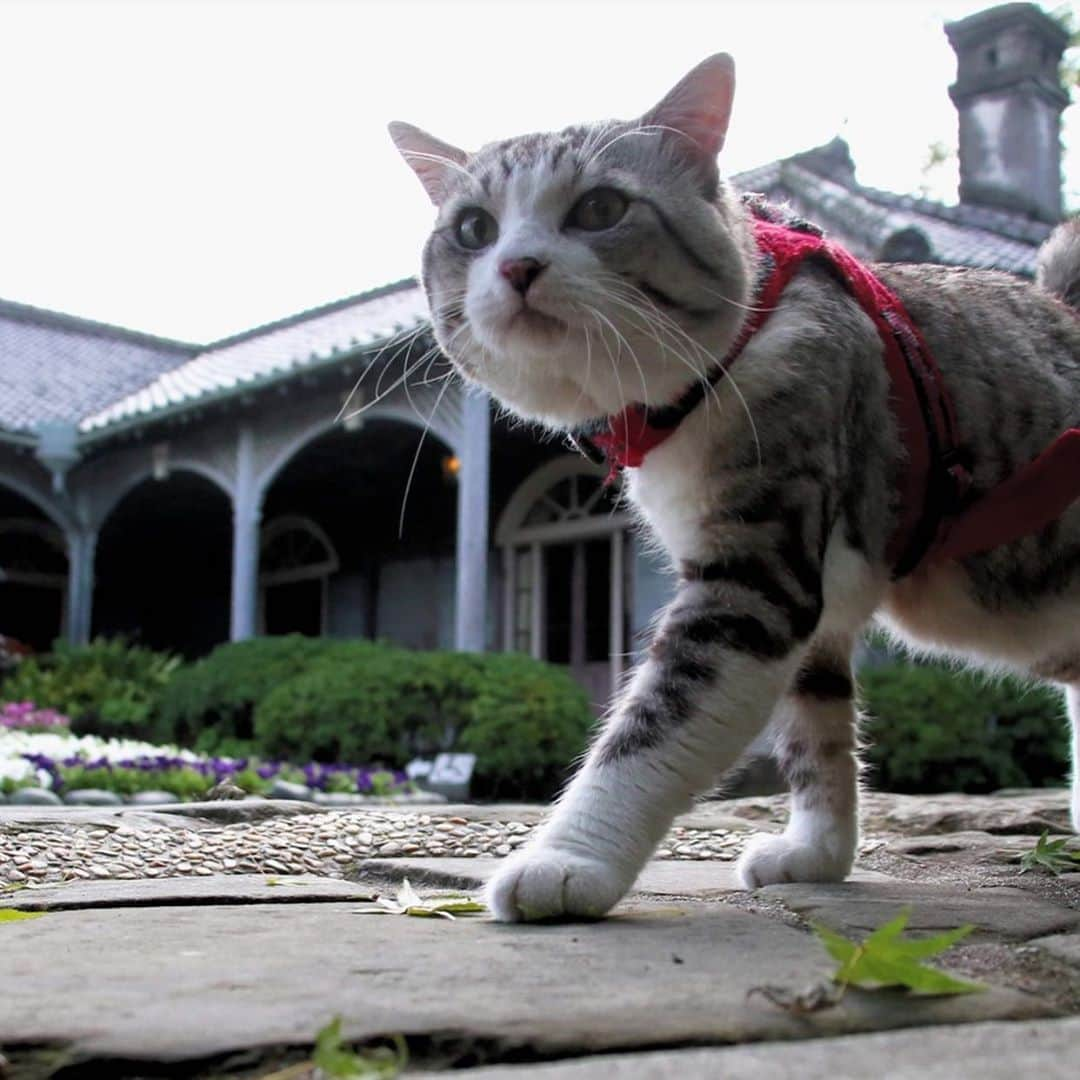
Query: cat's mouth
[[533, 324], [533, 319]]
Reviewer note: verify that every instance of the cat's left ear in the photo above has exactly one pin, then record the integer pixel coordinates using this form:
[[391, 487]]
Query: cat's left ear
[[431, 159], [699, 107]]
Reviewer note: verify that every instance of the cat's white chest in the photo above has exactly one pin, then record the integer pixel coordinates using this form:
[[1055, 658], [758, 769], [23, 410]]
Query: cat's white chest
[[669, 490]]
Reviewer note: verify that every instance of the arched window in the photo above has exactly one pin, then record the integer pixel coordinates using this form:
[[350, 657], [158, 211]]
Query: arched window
[[566, 596], [296, 562], [33, 581]]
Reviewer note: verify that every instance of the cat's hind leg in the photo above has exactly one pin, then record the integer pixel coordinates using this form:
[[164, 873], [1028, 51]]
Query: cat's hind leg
[[1072, 698], [815, 747]]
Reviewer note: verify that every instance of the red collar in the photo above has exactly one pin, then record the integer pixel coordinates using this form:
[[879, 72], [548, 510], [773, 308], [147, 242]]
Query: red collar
[[938, 520]]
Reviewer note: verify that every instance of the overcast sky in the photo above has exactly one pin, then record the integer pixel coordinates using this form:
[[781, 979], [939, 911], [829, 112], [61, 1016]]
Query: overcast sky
[[196, 168]]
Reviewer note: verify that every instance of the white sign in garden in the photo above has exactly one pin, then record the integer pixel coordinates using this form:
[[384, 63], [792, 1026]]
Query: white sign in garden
[[451, 775]]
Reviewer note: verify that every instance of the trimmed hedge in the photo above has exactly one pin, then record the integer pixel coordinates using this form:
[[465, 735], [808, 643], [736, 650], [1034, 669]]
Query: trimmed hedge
[[525, 720], [209, 705], [108, 687], [306, 699], [931, 728]]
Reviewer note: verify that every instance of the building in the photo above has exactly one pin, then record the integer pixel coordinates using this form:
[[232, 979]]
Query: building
[[281, 480]]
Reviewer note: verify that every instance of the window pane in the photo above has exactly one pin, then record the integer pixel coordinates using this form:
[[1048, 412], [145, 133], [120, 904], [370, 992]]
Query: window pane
[[558, 567]]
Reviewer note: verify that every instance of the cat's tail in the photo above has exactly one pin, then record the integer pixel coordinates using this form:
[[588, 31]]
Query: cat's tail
[[1058, 264]]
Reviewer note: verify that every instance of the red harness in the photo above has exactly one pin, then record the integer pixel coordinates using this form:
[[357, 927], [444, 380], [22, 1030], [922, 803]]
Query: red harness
[[937, 521]]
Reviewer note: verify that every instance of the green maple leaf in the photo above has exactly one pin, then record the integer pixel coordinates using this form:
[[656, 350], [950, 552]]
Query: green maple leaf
[[336, 1060], [10, 915], [887, 959], [1050, 855]]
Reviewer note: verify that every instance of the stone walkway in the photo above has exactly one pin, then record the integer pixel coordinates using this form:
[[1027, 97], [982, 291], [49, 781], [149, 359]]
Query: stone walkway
[[216, 940]]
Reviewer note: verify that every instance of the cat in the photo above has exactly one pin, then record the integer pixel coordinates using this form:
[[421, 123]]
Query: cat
[[576, 273]]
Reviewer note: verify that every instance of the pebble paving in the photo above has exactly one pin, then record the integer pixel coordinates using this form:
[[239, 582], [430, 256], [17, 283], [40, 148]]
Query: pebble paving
[[325, 844]]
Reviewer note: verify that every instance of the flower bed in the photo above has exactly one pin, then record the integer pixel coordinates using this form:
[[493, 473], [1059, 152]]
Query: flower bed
[[125, 767]]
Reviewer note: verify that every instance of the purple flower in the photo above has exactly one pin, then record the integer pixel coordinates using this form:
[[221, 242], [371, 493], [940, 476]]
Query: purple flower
[[26, 716]]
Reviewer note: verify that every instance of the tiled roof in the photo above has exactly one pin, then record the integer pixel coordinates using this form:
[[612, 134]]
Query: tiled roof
[[57, 367], [270, 352], [820, 184]]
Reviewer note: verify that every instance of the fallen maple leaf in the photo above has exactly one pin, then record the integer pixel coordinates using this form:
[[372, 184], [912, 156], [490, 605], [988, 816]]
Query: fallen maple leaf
[[887, 959]]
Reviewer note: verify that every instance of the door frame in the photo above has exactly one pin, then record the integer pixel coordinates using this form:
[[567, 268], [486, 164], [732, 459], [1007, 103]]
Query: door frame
[[575, 522]]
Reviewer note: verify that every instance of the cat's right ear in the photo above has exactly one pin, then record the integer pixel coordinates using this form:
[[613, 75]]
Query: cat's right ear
[[432, 160], [699, 107]]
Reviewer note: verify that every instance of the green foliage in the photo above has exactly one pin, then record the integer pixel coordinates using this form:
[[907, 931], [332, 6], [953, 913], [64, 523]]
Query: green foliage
[[10, 915], [937, 155], [108, 687], [934, 729], [1069, 70], [183, 782], [335, 1060], [1050, 855], [887, 959], [209, 704], [524, 720], [304, 699], [9, 785], [527, 723]]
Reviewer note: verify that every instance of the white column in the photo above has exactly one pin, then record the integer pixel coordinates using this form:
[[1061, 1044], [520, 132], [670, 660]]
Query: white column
[[537, 614], [81, 544], [247, 514], [470, 622]]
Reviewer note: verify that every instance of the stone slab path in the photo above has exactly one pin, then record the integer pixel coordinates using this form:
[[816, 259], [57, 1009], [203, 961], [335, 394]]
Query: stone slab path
[[233, 973]]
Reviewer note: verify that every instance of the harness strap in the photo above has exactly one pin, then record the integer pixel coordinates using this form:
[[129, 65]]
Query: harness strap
[[1029, 500], [938, 520]]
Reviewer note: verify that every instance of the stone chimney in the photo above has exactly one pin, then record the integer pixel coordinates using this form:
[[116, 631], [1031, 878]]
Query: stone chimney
[[1009, 96]]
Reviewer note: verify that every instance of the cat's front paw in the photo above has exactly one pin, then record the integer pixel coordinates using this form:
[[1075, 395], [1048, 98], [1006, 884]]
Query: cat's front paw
[[545, 882], [769, 859]]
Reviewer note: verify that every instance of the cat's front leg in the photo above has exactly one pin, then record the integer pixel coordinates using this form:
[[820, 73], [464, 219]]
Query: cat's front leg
[[725, 651]]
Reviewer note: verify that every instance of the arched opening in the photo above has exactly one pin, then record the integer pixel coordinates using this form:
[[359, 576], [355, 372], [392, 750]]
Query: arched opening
[[163, 567], [33, 573], [296, 562], [350, 485], [566, 596]]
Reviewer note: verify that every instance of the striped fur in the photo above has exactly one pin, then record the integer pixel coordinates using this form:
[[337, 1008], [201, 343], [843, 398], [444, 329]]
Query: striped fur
[[773, 500]]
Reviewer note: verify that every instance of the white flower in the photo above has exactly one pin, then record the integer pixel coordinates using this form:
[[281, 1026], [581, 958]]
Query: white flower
[[15, 768], [14, 744]]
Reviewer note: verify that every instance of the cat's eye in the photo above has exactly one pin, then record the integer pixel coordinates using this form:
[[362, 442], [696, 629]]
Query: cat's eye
[[476, 229], [598, 209]]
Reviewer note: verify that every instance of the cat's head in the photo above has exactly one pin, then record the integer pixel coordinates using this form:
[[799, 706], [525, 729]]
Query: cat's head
[[574, 272]]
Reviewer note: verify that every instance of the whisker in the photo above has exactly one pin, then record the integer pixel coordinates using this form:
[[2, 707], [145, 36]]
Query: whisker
[[416, 459], [640, 129], [671, 327]]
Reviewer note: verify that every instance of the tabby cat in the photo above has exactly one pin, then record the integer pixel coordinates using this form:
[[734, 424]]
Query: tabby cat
[[577, 273]]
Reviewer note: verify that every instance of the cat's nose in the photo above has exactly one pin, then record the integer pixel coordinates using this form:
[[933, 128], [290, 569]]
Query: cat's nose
[[521, 273]]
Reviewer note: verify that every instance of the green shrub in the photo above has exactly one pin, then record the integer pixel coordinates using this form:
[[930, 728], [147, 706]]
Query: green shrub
[[527, 723], [107, 688], [931, 728], [525, 720], [209, 704], [382, 705]]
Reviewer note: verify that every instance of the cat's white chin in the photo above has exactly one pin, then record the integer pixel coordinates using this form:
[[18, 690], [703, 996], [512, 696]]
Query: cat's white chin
[[555, 401]]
